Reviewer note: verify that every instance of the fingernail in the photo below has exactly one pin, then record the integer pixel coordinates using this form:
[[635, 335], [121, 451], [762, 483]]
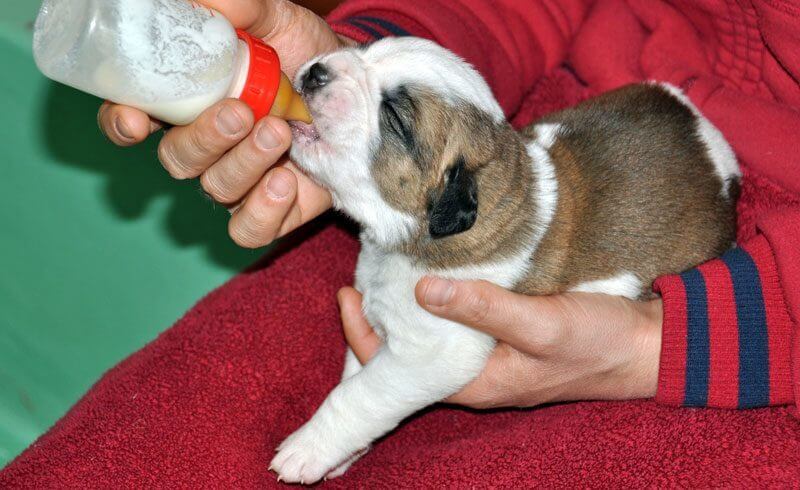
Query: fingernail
[[122, 129], [439, 292], [229, 121], [267, 138], [278, 186]]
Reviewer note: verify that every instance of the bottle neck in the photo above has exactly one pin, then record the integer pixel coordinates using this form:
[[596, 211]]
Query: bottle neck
[[241, 69], [262, 67], [259, 82]]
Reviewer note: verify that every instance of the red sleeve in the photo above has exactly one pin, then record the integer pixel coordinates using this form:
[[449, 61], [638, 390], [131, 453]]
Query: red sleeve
[[730, 333], [511, 43]]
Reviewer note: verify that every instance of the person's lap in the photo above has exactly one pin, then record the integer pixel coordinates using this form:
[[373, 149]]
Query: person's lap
[[209, 400]]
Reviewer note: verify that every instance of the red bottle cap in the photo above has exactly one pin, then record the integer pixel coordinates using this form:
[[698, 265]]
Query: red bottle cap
[[263, 76]]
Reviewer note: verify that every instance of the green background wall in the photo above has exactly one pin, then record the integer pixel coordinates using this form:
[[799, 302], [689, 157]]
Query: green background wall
[[99, 249]]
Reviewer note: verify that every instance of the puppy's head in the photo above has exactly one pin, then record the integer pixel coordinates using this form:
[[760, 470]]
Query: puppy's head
[[400, 129]]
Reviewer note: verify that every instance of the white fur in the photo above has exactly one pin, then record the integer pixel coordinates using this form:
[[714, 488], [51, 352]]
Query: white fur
[[422, 62], [424, 358], [546, 134], [346, 117], [719, 151], [351, 364], [623, 284], [546, 191], [388, 225], [346, 121]]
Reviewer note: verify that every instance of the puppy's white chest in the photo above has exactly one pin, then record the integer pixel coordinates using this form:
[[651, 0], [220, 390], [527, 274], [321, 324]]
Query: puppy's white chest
[[387, 281]]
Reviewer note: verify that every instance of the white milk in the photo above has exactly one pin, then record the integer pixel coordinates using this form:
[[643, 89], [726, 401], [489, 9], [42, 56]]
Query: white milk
[[169, 58], [181, 112]]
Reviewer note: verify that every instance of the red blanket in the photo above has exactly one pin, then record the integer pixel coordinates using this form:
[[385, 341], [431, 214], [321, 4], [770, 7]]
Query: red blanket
[[207, 402]]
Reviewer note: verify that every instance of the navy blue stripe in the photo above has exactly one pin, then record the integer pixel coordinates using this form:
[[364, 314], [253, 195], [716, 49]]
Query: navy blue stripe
[[697, 339], [389, 26], [753, 334], [369, 30]]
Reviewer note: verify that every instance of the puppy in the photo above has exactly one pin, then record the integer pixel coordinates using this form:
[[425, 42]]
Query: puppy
[[411, 143]]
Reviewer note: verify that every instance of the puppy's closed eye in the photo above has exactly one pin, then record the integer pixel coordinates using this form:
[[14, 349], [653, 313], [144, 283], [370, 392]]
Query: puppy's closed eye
[[397, 115]]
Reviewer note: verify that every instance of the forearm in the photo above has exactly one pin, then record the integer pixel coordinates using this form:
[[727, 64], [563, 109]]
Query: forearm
[[511, 43]]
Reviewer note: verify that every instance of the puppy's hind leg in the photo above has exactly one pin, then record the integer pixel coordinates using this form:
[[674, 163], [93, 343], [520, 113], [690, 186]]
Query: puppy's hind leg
[[398, 381]]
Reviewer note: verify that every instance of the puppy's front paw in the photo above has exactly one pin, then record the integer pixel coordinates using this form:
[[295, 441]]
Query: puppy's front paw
[[306, 456], [342, 468]]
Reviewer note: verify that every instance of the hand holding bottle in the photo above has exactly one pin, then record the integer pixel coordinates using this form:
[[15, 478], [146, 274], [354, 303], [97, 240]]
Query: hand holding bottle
[[230, 151]]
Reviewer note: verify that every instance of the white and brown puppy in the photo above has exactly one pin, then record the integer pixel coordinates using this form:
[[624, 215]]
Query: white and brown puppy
[[600, 198]]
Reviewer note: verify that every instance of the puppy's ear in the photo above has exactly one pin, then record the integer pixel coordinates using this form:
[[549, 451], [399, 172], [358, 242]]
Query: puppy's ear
[[456, 208]]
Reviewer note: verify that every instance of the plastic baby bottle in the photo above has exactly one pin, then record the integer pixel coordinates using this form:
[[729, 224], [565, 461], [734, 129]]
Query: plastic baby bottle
[[170, 58]]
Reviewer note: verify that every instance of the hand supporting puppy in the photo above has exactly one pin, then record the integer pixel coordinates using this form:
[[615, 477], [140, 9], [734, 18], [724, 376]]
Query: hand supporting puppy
[[567, 347], [227, 149]]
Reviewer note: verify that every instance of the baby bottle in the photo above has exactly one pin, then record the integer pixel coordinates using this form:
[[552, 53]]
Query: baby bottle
[[170, 58]]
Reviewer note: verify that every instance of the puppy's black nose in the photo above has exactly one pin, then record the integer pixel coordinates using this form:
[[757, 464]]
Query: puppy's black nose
[[318, 76]]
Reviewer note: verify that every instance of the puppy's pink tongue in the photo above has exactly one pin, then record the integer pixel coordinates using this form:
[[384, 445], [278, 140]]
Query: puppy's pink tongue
[[300, 128]]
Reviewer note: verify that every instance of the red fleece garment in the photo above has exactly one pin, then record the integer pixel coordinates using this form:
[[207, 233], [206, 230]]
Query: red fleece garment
[[206, 403]]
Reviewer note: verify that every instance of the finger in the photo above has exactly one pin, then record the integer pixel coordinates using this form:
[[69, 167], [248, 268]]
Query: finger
[[256, 16], [312, 200], [187, 151], [513, 318], [256, 222], [239, 170], [359, 334], [125, 126]]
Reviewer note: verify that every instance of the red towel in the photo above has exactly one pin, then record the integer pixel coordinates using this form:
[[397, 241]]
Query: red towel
[[205, 404]]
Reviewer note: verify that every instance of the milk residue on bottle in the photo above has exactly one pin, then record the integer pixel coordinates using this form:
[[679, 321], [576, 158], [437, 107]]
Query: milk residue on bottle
[[170, 58]]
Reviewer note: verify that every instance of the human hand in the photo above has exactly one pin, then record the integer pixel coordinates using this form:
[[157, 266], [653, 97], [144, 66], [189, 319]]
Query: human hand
[[567, 347], [230, 152]]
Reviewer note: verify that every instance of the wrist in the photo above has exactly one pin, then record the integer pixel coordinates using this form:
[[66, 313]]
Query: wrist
[[641, 378], [623, 352]]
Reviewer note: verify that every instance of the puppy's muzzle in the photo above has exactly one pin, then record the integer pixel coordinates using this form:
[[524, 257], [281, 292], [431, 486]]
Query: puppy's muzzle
[[317, 77]]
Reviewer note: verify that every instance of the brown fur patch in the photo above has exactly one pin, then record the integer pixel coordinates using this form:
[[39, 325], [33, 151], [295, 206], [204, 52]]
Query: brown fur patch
[[494, 153], [637, 191]]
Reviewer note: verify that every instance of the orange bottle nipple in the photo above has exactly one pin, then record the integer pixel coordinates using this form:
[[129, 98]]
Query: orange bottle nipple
[[288, 104]]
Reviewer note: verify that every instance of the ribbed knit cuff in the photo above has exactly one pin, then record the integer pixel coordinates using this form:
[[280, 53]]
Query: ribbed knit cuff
[[726, 338]]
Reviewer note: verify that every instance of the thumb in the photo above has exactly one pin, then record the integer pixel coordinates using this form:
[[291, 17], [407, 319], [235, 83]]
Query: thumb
[[258, 17], [359, 334], [515, 319]]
